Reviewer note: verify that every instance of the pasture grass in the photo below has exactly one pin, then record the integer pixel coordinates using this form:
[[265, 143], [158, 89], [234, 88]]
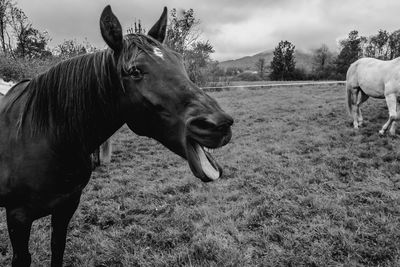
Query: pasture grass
[[301, 188]]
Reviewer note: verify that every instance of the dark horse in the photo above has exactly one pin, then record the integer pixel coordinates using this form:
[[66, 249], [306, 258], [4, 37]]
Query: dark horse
[[50, 125]]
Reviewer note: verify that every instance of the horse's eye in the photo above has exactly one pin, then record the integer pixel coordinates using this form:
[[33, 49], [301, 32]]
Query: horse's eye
[[136, 74]]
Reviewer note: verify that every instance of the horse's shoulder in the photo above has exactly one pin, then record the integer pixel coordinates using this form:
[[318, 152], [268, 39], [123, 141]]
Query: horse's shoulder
[[367, 60], [369, 64], [360, 61]]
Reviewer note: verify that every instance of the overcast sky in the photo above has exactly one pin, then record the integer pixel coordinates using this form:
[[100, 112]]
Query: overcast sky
[[235, 28]]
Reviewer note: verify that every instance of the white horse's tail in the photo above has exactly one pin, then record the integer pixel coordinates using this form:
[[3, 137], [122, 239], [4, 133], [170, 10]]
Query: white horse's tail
[[349, 97], [351, 82]]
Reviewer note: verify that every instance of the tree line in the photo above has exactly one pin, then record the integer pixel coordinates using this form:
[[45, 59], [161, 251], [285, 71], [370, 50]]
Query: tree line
[[25, 51], [18, 37], [328, 65]]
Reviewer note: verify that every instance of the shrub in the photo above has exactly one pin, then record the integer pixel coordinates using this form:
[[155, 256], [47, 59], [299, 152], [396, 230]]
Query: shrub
[[20, 68], [10, 69], [248, 76], [300, 74]]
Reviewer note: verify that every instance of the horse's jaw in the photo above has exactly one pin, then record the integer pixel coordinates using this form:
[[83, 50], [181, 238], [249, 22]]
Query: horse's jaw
[[201, 162]]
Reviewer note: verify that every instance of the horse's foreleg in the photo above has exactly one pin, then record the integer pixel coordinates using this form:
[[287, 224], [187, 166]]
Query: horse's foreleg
[[391, 101], [364, 97], [59, 223], [19, 226], [392, 129]]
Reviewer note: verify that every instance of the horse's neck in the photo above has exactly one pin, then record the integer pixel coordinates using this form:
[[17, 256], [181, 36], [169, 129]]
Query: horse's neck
[[102, 126], [75, 102], [108, 127]]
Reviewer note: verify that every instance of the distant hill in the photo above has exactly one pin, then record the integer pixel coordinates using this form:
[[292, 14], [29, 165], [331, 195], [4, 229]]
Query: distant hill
[[303, 60]]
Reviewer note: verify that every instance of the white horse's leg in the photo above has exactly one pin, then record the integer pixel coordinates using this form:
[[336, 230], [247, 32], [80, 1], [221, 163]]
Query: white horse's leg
[[362, 99], [354, 109], [105, 152], [391, 101], [392, 129]]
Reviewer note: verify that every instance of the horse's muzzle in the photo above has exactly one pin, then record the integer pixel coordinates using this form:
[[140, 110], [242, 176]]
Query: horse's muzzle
[[211, 131]]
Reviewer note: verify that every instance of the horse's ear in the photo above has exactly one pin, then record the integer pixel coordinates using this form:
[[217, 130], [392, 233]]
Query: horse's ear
[[159, 29], [111, 29]]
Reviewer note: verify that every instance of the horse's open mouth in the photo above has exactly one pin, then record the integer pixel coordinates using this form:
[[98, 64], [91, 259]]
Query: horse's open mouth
[[201, 162]]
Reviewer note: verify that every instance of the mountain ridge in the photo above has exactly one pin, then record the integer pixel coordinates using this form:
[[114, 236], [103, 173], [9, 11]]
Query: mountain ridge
[[303, 61]]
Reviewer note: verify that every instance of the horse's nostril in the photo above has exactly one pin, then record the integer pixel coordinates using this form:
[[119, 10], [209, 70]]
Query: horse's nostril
[[220, 122], [229, 120], [203, 124], [224, 127]]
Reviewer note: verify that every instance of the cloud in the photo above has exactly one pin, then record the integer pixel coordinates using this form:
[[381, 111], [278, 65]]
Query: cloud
[[234, 27]]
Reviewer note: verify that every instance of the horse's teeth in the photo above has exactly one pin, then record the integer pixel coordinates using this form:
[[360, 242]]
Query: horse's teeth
[[209, 150]]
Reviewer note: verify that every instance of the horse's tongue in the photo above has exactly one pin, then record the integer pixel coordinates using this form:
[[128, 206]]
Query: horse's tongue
[[205, 163]]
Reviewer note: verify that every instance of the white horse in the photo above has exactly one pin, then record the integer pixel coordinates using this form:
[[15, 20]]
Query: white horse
[[370, 77], [5, 86]]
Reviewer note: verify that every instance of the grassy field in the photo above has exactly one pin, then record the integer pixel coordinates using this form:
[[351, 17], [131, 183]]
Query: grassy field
[[301, 188]]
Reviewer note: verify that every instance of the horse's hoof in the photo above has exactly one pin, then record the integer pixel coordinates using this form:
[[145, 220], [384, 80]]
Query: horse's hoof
[[381, 133]]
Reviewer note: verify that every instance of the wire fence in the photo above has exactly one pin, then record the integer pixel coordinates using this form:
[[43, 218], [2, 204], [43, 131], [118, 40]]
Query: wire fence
[[269, 85]]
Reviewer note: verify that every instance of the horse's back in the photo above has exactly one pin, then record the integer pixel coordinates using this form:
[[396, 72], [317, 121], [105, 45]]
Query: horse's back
[[371, 75], [9, 147], [35, 164], [20, 159]]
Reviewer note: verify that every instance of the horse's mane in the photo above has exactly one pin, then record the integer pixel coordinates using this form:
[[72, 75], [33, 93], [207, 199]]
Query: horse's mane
[[62, 100]]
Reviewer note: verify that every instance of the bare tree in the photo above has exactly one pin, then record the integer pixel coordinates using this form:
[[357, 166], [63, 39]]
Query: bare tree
[[261, 67], [183, 37], [5, 6], [136, 28], [182, 32], [29, 41], [20, 25], [322, 59]]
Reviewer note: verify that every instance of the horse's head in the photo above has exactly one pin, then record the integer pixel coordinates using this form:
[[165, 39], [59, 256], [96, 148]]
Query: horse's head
[[161, 102]]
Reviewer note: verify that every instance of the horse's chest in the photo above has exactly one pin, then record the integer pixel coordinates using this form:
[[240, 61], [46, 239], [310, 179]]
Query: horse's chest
[[37, 175], [59, 196]]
